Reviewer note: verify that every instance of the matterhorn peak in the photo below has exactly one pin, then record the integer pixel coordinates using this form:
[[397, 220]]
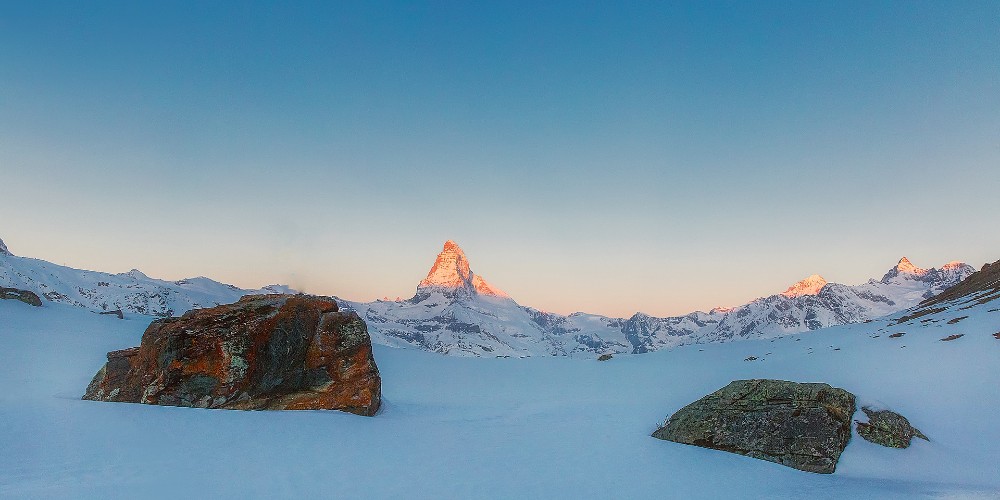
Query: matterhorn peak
[[905, 266], [451, 273], [809, 286], [906, 269], [3, 249]]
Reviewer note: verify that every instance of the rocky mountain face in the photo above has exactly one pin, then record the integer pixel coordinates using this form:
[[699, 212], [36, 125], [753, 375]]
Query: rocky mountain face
[[454, 311], [131, 292]]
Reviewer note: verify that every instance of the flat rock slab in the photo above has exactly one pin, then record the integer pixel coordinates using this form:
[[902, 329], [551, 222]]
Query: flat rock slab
[[805, 426], [265, 352]]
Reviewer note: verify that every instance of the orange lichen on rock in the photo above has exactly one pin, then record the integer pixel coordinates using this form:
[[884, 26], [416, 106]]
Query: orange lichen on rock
[[263, 352]]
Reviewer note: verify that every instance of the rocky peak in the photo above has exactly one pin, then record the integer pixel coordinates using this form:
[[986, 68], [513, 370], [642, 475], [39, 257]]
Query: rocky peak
[[953, 265], [809, 286], [451, 273], [3, 249], [905, 266], [906, 269]]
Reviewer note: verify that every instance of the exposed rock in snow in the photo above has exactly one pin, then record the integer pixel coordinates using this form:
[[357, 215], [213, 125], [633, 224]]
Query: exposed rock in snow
[[804, 426], [275, 352], [23, 295], [888, 429], [3, 249]]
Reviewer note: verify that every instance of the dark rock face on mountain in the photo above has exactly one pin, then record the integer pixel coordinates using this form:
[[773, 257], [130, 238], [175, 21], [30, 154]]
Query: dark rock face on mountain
[[23, 295], [275, 352], [803, 426], [888, 429]]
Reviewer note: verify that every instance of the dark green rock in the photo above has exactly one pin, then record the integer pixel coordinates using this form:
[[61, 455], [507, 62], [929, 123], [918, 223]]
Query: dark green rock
[[803, 426], [25, 296], [888, 428]]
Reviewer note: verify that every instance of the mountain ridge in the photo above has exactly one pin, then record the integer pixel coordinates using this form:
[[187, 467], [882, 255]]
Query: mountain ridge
[[454, 319], [456, 311], [131, 292]]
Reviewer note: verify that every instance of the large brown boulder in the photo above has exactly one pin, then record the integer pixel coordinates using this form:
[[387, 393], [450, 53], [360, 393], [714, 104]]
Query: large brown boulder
[[265, 352], [804, 426]]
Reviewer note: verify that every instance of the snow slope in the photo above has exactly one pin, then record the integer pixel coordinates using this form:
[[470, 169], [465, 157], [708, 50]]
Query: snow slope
[[132, 292], [545, 427], [452, 314]]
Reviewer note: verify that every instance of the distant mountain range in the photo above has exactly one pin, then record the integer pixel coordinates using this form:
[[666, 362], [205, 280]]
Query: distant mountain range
[[132, 292], [456, 311]]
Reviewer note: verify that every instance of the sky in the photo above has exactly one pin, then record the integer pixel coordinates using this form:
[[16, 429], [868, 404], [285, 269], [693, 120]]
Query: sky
[[607, 157]]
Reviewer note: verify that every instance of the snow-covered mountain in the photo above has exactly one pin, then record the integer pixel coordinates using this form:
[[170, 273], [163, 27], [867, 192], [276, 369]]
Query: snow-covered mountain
[[455, 311], [131, 292], [449, 422], [813, 303]]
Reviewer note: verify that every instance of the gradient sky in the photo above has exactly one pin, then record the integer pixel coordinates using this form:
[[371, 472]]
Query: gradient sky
[[587, 156]]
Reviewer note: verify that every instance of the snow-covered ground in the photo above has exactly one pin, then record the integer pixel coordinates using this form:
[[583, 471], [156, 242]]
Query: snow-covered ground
[[457, 427]]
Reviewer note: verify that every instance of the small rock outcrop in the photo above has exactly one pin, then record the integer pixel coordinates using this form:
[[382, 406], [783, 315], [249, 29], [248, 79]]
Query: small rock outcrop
[[803, 426], [265, 352], [117, 313], [888, 428], [25, 296], [604, 357]]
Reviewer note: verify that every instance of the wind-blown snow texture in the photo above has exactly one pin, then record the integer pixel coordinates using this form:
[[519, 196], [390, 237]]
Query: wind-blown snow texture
[[132, 292], [457, 427], [454, 317]]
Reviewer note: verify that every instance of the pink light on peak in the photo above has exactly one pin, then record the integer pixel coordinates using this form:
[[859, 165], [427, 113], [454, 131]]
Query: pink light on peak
[[809, 286], [952, 265], [451, 271], [906, 267]]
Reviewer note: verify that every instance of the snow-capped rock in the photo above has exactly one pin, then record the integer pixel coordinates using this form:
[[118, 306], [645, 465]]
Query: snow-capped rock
[[3, 249], [131, 292]]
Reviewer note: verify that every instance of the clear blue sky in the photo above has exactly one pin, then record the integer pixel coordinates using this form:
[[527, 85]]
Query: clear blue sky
[[588, 156]]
